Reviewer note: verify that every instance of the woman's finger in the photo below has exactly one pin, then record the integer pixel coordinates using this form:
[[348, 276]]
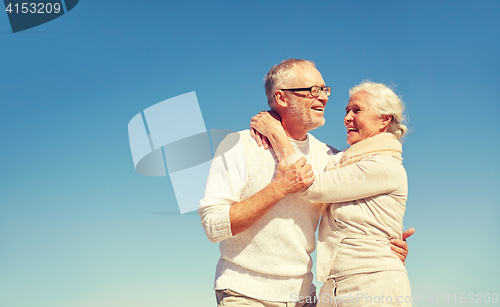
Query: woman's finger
[[265, 141], [257, 137]]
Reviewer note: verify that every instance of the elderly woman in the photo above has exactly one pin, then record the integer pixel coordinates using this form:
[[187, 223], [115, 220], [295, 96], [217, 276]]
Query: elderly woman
[[366, 191]]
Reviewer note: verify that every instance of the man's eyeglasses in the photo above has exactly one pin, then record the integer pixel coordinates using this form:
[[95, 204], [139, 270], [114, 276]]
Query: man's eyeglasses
[[314, 90]]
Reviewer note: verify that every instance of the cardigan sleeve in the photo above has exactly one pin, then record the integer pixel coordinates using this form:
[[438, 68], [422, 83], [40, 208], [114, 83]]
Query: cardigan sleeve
[[373, 175], [225, 180]]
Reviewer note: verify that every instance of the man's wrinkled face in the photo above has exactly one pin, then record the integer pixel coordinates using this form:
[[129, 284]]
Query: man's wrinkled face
[[305, 109]]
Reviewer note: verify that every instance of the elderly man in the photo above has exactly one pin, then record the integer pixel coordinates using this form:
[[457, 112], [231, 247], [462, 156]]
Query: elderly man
[[266, 240]]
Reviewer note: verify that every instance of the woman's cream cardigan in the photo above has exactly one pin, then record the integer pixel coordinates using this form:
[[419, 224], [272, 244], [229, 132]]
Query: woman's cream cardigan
[[367, 190]]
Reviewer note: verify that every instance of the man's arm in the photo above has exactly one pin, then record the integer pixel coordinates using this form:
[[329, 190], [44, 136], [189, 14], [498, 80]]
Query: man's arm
[[245, 213], [290, 179], [222, 213], [227, 177]]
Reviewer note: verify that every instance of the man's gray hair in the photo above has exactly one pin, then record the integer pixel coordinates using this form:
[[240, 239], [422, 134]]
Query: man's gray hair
[[385, 102], [281, 75]]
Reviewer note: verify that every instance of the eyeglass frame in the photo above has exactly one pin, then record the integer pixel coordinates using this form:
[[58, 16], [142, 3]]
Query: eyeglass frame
[[322, 89]]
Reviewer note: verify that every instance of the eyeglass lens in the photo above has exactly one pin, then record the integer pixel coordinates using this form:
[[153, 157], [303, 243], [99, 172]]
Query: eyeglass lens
[[316, 90]]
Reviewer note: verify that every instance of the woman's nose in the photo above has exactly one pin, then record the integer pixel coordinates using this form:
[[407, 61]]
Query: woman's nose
[[348, 117]]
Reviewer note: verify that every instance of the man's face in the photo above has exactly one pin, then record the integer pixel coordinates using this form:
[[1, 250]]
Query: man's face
[[303, 108]]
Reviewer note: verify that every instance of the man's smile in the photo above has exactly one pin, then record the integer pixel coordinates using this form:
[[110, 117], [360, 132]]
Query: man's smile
[[318, 108]]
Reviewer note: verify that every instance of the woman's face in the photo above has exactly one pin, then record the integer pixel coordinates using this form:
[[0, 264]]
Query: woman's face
[[361, 119]]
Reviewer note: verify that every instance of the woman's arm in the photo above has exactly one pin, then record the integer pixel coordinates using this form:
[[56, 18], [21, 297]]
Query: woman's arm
[[371, 176]]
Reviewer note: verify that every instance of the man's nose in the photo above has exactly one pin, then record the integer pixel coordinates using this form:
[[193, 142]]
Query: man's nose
[[323, 97]]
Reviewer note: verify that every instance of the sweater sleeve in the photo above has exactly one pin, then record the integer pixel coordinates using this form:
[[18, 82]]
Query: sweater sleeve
[[226, 178], [371, 176]]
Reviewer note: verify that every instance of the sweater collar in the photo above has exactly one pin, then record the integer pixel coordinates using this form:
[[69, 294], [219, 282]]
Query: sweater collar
[[300, 144]]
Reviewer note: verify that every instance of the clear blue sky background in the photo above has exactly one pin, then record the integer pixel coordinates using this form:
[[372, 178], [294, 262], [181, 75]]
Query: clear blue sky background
[[79, 227]]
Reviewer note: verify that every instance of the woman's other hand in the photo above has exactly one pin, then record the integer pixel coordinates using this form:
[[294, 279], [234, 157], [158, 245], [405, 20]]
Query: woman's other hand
[[260, 139], [293, 178], [264, 125]]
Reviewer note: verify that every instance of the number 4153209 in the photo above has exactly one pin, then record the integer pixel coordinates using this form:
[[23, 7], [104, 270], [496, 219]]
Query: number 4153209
[[471, 298], [34, 8]]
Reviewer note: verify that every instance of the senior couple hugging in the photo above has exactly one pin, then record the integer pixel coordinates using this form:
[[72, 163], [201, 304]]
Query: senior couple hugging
[[269, 187]]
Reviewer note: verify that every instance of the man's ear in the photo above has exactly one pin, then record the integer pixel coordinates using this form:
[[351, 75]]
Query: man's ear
[[281, 99], [386, 120]]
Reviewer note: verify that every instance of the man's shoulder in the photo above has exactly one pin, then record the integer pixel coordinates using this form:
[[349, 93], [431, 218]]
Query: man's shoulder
[[234, 143], [246, 139], [227, 139]]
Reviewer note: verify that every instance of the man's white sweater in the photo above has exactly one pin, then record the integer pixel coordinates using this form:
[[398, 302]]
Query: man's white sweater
[[271, 259]]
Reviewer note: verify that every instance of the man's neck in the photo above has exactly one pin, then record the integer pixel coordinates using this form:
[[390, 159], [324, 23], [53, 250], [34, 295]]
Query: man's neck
[[294, 133]]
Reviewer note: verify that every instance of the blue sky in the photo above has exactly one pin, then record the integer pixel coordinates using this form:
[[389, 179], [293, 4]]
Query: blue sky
[[78, 225]]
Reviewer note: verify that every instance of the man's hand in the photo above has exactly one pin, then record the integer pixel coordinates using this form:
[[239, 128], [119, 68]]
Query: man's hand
[[400, 248], [293, 178], [289, 179]]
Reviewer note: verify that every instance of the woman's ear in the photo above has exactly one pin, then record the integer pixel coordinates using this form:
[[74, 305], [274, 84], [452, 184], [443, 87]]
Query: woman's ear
[[386, 120]]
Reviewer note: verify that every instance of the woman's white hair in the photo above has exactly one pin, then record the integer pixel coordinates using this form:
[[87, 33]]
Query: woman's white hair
[[385, 102]]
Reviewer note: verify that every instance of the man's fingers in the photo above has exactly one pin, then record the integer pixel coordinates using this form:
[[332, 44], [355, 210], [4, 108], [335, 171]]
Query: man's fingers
[[400, 249], [311, 180], [309, 177], [401, 257], [408, 233], [401, 253], [306, 175], [399, 244], [300, 162]]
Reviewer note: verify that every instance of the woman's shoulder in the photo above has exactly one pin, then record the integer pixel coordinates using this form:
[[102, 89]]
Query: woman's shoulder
[[388, 164]]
